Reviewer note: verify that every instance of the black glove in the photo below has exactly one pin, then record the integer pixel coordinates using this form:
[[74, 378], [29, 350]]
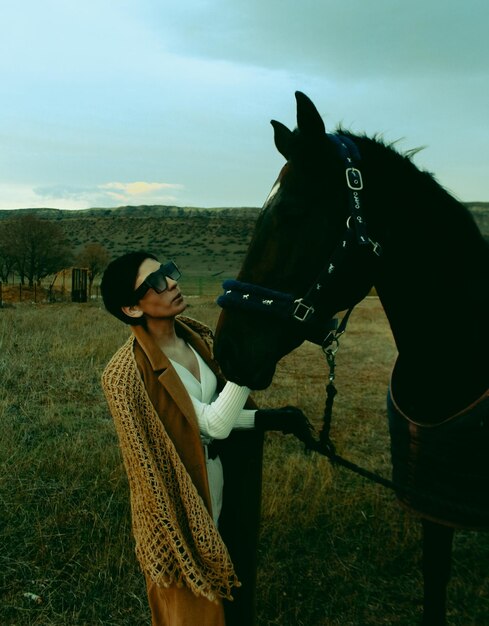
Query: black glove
[[288, 420]]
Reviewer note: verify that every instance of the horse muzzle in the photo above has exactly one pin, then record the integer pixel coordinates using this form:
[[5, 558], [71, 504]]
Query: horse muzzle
[[244, 362]]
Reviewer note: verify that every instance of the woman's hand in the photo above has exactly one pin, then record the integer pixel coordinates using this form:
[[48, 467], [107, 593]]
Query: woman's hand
[[288, 420]]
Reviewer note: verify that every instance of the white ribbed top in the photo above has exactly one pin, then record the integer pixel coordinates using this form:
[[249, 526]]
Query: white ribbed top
[[217, 414]]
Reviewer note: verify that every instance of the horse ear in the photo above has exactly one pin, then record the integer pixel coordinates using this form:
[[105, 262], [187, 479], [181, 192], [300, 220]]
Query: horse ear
[[283, 138], [309, 121]]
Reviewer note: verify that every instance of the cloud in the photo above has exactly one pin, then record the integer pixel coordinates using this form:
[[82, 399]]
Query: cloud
[[83, 197], [140, 190], [345, 40]]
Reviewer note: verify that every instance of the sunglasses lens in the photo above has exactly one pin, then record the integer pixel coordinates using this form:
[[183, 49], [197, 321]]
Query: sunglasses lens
[[157, 280], [171, 270]]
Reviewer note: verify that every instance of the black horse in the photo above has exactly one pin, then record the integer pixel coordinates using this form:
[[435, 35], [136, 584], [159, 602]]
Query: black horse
[[348, 213]]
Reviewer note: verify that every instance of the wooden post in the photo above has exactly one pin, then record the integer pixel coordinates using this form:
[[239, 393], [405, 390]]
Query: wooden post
[[79, 284]]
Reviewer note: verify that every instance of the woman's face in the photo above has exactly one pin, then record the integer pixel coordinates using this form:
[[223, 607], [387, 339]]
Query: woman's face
[[162, 305]]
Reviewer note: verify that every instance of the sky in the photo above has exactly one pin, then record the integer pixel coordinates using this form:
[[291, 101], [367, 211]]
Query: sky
[[106, 103]]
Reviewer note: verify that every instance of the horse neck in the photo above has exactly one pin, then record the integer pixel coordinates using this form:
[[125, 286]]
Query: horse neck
[[432, 285]]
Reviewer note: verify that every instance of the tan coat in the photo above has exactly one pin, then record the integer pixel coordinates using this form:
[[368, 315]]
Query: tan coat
[[172, 402], [241, 455]]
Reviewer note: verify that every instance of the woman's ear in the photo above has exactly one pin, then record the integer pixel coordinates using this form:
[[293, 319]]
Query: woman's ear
[[132, 311]]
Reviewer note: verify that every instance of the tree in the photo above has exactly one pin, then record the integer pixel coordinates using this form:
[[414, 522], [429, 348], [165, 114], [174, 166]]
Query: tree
[[95, 258], [7, 264], [36, 247]]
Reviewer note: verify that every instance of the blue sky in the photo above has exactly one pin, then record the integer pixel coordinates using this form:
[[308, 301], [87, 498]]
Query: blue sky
[[113, 102]]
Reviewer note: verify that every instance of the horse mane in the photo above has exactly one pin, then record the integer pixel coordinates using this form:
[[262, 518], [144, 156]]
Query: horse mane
[[391, 147], [432, 192]]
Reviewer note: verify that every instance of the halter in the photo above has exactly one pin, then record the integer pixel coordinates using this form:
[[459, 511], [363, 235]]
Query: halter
[[260, 299]]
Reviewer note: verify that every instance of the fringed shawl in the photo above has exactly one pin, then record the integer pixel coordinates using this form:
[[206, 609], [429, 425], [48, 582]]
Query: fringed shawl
[[176, 539]]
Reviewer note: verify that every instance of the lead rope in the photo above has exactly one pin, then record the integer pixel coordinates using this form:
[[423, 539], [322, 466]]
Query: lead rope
[[325, 446]]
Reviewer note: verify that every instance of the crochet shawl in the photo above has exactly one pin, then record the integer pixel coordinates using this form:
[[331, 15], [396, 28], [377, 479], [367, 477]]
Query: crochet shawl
[[176, 539]]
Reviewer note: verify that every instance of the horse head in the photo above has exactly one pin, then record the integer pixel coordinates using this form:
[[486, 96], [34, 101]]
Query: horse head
[[304, 231]]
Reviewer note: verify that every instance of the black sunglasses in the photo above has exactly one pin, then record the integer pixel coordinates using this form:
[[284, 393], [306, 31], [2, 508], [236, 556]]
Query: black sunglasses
[[157, 280]]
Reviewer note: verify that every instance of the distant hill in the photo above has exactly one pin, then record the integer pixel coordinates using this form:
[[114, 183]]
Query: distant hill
[[212, 241], [480, 211], [204, 241], [144, 210]]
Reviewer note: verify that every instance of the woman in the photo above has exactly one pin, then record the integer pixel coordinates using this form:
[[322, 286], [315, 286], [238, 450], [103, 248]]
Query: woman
[[184, 434]]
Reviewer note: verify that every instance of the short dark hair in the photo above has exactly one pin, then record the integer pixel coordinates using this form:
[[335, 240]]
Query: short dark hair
[[117, 284]]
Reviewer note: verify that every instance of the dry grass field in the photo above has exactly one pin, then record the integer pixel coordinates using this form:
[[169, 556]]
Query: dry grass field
[[335, 550]]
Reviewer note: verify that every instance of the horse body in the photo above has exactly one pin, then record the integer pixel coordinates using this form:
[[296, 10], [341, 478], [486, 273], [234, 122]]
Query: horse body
[[431, 276]]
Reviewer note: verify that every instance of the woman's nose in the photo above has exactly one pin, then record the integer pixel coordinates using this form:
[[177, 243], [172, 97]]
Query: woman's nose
[[171, 283]]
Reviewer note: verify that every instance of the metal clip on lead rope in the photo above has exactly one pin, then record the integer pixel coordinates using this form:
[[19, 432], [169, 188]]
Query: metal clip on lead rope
[[330, 351]]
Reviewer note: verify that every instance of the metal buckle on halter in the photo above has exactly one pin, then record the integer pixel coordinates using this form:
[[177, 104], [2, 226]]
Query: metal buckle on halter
[[354, 178], [302, 311]]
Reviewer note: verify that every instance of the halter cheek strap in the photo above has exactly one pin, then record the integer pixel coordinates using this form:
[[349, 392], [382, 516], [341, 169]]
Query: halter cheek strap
[[356, 226], [350, 156]]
